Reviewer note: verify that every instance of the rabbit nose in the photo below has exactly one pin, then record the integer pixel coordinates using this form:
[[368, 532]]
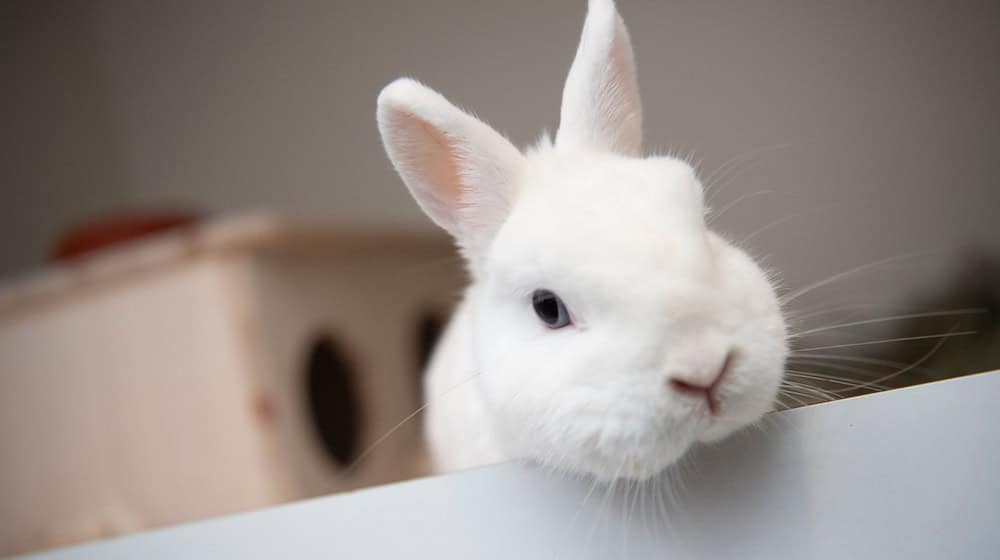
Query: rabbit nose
[[702, 384]]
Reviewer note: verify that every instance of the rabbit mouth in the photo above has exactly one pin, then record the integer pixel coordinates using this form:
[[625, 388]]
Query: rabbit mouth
[[736, 412]]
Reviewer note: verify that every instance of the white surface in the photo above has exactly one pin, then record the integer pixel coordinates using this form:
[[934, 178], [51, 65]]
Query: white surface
[[910, 473]]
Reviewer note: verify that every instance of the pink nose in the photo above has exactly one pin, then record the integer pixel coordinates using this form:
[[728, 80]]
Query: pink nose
[[702, 385]]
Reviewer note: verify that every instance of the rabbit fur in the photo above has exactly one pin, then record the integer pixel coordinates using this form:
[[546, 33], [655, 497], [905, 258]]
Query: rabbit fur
[[674, 336]]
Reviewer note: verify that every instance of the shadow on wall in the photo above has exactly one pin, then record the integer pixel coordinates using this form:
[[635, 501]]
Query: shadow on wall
[[975, 296], [857, 348]]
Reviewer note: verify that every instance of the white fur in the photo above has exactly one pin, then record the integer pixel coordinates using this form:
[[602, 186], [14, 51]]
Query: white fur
[[622, 240]]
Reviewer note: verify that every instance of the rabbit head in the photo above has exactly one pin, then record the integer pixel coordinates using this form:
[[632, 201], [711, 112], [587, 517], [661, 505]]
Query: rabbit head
[[611, 328]]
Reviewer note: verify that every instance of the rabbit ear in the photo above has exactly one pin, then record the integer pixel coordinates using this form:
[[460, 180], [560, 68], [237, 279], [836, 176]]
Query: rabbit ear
[[600, 104], [460, 171]]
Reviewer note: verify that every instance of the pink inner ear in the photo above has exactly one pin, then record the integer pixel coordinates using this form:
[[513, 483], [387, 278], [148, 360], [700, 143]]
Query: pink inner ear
[[435, 154], [443, 161], [457, 168]]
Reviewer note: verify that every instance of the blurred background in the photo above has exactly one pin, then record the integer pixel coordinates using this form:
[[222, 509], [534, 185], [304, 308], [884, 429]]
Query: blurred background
[[273, 325]]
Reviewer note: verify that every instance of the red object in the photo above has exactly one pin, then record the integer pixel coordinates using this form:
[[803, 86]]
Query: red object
[[91, 237]]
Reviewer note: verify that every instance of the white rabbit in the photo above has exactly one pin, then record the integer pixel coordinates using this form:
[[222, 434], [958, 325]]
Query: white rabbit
[[606, 330]]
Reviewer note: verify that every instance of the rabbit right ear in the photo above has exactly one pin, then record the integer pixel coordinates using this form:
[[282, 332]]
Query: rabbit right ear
[[460, 171], [600, 104]]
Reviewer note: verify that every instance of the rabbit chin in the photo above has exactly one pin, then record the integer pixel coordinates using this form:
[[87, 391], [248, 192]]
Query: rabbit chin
[[641, 448], [623, 459]]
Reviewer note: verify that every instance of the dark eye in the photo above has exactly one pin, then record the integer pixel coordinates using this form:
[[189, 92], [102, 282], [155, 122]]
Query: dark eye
[[550, 309]]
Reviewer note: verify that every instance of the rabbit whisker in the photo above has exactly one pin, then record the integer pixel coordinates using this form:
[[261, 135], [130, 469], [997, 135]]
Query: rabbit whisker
[[945, 313], [773, 224], [787, 298], [354, 464], [818, 358], [713, 182], [629, 485], [583, 503], [903, 370], [808, 389], [910, 367], [885, 341], [604, 502], [826, 309], [825, 364], [715, 215], [794, 399], [853, 383]]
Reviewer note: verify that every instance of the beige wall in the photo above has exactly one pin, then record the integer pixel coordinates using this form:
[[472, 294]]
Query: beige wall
[[888, 111]]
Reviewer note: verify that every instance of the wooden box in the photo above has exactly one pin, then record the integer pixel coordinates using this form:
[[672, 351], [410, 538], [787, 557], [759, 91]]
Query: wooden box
[[238, 364]]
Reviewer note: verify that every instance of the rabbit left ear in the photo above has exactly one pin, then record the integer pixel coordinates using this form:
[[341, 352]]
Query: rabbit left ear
[[600, 105], [460, 171]]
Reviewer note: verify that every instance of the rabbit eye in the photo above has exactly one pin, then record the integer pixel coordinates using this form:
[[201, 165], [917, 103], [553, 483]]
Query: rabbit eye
[[550, 309]]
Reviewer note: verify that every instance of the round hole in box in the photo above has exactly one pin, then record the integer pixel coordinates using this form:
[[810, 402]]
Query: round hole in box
[[334, 406]]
